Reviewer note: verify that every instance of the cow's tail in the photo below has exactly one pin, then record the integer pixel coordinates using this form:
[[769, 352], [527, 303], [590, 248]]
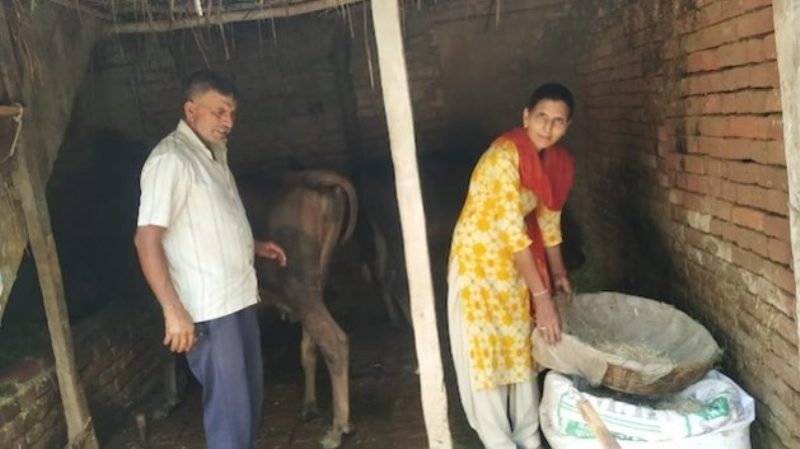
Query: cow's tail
[[325, 179]]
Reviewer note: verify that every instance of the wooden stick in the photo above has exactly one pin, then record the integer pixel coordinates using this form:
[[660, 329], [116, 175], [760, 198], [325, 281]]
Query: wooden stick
[[596, 424], [83, 8], [9, 111], [256, 13]]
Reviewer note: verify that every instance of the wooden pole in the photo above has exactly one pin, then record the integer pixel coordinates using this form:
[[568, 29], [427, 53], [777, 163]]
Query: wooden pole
[[6, 111], [786, 15], [214, 18], [596, 424], [84, 9], [400, 120], [80, 429]]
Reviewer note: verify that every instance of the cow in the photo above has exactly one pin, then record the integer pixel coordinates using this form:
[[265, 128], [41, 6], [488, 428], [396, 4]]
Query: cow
[[309, 213]]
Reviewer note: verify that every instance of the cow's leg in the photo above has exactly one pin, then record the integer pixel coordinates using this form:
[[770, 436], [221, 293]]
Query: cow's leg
[[308, 356], [333, 343], [381, 265], [399, 289]]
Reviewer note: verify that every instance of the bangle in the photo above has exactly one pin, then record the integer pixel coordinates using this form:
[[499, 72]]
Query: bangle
[[540, 293]]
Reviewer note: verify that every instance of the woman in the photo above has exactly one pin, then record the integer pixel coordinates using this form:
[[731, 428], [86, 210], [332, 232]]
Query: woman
[[505, 263]]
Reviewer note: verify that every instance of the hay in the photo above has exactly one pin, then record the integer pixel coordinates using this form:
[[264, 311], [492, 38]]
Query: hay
[[634, 351]]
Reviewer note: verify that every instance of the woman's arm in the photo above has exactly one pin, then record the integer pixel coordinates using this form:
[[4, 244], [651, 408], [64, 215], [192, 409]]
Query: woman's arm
[[546, 315]]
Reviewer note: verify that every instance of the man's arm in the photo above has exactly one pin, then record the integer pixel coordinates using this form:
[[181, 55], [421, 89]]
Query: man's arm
[[178, 324]]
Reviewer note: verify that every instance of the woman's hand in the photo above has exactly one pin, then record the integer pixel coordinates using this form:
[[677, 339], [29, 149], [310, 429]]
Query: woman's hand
[[271, 250], [548, 323], [561, 282]]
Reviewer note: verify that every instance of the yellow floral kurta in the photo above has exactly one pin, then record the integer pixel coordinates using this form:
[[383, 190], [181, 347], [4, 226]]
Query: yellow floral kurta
[[490, 229]]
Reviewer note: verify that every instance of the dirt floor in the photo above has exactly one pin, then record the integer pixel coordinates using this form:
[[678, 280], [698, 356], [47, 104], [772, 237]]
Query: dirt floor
[[385, 401]]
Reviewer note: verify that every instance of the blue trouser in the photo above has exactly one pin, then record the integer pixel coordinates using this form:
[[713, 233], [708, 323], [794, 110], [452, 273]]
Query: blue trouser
[[227, 362]]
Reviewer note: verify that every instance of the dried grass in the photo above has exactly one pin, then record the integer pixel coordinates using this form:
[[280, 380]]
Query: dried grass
[[638, 352], [19, 25], [604, 339]]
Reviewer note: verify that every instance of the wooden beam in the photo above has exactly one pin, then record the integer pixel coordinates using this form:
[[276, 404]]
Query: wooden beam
[[77, 5], [80, 428], [786, 14], [9, 111], [400, 120], [219, 18]]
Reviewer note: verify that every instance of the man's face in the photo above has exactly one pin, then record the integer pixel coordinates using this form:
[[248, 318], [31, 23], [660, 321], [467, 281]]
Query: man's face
[[546, 122], [211, 115]]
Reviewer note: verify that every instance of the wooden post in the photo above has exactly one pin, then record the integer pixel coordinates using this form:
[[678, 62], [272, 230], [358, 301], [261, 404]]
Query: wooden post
[[786, 15], [400, 120], [80, 429]]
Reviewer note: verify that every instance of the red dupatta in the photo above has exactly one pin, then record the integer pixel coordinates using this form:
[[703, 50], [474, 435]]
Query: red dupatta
[[548, 174]]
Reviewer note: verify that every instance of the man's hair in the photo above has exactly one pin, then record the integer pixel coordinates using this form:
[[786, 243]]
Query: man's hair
[[202, 81], [552, 91]]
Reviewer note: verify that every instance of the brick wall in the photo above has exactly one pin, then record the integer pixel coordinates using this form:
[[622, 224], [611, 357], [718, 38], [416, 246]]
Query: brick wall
[[309, 96], [681, 183], [684, 187], [118, 363], [287, 77]]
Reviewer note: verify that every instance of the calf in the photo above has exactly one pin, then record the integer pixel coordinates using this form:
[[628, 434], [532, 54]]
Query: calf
[[308, 213]]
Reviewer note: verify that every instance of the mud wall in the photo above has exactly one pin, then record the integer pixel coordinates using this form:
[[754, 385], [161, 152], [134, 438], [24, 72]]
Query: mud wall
[[310, 86]]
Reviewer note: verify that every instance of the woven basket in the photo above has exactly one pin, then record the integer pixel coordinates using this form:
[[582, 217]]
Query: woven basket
[[597, 325]]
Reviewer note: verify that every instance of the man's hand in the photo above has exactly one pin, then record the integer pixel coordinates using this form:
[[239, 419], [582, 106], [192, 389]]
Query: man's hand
[[179, 333], [271, 250], [178, 324]]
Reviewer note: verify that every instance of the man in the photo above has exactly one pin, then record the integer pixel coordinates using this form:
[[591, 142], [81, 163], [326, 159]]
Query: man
[[196, 250]]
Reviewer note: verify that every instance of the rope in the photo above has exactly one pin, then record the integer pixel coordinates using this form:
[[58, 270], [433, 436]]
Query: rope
[[17, 118]]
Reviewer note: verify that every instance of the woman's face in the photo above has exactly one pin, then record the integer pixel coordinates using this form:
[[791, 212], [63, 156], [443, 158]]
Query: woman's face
[[547, 122]]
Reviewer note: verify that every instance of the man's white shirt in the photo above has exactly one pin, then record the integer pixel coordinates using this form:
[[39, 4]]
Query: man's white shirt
[[208, 241]]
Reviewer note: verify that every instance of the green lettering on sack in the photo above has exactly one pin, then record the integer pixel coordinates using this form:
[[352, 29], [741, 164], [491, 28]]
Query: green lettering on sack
[[717, 408], [578, 429]]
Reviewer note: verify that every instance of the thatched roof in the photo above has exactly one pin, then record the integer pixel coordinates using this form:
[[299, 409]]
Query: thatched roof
[[147, 16]]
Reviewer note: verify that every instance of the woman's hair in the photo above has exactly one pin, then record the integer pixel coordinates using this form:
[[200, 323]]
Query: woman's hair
[[552, 91], [202, 81]]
